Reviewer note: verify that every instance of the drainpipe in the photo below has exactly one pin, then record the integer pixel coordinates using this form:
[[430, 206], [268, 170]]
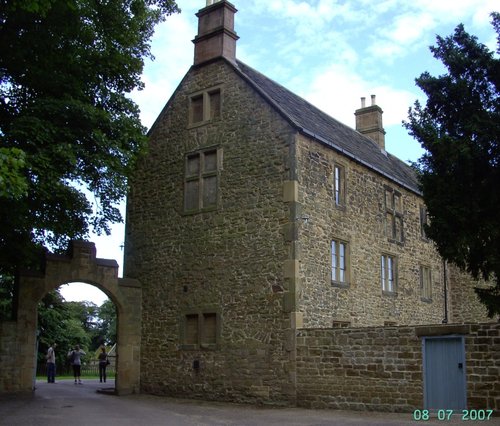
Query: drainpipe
[[445, 291]]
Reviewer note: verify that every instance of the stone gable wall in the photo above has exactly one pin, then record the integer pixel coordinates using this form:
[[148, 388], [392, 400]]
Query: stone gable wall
[[228, 261], [380, 368]]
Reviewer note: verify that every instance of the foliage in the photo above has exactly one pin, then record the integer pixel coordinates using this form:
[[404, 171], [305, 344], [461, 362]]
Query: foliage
[[107, 317], [459, 127], [69, 324], [53, 318], [6, 297], [67, 124]]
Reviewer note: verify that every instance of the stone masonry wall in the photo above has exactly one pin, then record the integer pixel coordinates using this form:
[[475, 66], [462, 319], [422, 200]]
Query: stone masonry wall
[[464, 302], [380, 368], [361, 223], [228, 261], [9, 377]]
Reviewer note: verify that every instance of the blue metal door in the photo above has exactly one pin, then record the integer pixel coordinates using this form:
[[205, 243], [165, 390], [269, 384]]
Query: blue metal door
[[444, 373]]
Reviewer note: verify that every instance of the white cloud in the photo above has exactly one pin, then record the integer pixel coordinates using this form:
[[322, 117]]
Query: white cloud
[[173, 52], [337, 91]]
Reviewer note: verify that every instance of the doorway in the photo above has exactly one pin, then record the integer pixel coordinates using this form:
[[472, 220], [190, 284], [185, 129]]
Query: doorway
[[444, 373]]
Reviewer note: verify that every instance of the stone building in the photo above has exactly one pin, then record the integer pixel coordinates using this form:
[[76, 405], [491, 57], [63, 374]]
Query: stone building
[[253, 215]]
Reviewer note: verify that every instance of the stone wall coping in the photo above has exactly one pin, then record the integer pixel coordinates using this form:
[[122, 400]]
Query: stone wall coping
[[442, 330], [420, 330]]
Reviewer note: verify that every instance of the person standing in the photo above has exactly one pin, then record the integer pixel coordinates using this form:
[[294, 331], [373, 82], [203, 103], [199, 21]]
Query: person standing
[[51, 363], [75, 357], [103, 363]]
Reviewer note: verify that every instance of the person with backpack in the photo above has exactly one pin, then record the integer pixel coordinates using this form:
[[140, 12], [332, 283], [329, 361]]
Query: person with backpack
[[74, 357]]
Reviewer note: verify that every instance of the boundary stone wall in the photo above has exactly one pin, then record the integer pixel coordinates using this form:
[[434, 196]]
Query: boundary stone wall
[[380, 368]]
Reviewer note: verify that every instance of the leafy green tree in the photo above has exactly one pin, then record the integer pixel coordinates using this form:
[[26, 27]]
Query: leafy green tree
[[67, 124], [107, 320], [459, 173], [52, 326], [67, 324]]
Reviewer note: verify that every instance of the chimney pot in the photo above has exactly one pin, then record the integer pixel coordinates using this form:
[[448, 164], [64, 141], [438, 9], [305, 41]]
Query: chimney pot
[[369, 122]]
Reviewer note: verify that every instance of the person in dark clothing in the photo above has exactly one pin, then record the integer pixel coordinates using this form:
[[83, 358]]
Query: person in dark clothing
[[103, 363]]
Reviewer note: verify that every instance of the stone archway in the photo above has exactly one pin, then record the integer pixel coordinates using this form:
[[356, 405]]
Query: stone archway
[[18, 338]]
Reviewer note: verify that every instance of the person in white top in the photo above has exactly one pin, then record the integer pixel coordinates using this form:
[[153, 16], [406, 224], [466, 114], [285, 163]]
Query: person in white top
[[76, 361], [51, 363]]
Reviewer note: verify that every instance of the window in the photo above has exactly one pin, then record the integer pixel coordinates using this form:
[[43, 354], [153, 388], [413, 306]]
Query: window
[[426, 283], [201, 176], [388, 274], [393, 215], [200, 330], [424, 221], [205, 106], [340, 262], [339, 185]]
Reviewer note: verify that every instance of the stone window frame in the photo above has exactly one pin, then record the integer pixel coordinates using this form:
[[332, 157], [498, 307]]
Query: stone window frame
[[339, 185], [200, 176], [201, 341], [336, 281], [425, 283], [205, 106], [394, 224], [387, 259], [424, 220]]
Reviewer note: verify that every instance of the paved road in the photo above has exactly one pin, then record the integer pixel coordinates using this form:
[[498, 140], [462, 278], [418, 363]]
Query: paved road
[[64, 403]]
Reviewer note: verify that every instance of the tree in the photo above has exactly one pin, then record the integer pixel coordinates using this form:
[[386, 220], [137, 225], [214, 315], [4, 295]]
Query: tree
[[459, 173], [66, 123], [71, 323], [53, 318], [107, 322]]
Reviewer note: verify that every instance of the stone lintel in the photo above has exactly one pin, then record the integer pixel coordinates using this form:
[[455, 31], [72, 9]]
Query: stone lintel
[[442, 330]]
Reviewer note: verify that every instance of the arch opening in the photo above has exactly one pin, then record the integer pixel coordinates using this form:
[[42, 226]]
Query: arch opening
[[80, 264], [73, 314]]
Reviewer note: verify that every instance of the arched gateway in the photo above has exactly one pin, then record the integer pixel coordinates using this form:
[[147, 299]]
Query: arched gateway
[[18, 337]]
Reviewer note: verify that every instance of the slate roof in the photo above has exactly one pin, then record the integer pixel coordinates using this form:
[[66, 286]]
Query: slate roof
[[318, 125]]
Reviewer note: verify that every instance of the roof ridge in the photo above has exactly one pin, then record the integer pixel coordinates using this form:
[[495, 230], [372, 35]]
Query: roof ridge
[[317, 124]]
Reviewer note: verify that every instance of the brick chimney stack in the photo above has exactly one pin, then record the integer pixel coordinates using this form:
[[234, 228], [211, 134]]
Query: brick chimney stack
[[216, 37], [369, 122]]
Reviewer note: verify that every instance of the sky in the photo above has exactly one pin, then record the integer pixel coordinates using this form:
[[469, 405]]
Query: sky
[[330, 52]]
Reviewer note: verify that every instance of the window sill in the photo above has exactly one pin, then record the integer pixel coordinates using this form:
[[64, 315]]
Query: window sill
[[339, 284], [198, 211], [399, 243], [426, 299], [341, 206], [202, 123], [389, 293]]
